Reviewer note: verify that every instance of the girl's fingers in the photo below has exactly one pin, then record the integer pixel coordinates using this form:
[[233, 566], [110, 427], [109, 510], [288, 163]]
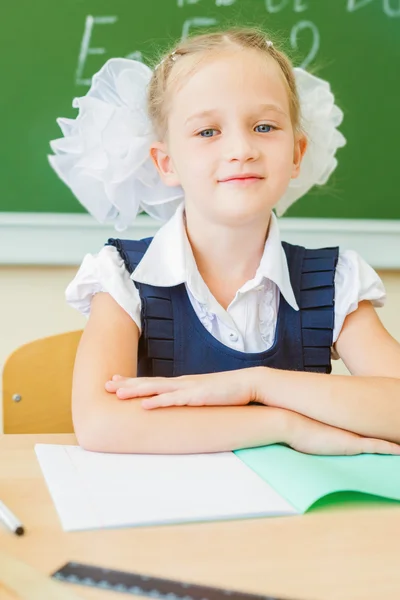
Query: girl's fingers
[[111, 386], [144, 389], [164, 400], [141, 383], [174, 398], [376, 446], [150, 403]]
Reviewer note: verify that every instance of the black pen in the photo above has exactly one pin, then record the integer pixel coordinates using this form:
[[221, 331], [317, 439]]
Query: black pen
[[10, 520]]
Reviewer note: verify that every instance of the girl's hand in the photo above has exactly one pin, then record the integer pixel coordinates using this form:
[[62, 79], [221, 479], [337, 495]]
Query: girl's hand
[[228, 388], [312, 437]]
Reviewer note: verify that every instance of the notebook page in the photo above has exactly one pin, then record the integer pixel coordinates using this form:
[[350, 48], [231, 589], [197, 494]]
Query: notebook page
[[94, 490], [304, 478]]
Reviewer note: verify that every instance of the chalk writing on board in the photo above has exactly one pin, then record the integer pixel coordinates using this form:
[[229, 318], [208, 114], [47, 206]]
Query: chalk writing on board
[[136, 55], [86, 49], [196, 22], [389, 10], [272, 6], [275, 6], [182, 3], [315, 41], [300, 6], [387, 5]]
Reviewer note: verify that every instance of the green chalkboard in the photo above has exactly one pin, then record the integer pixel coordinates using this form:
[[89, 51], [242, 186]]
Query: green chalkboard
[[51, 48]]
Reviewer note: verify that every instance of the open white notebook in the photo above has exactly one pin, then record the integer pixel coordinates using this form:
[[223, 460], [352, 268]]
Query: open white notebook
[[94, 490]]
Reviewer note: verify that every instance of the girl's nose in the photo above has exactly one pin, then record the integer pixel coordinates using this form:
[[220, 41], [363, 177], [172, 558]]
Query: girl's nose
[[240, 147]]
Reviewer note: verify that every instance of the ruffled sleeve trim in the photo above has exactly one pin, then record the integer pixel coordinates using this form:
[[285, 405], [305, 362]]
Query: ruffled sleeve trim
[[104, 272], [355, 281]]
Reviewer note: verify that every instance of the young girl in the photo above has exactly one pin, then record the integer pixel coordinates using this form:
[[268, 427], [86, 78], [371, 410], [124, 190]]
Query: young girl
[[214, 322]]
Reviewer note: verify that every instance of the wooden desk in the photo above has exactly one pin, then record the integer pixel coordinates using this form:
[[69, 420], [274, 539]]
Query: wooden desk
[[337, 553]]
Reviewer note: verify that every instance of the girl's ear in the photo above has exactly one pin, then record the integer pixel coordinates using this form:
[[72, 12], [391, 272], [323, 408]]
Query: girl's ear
[[300, 146], [163, 163]]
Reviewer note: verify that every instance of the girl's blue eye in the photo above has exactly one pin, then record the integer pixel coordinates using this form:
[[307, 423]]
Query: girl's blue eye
[[206, 132], [267, 128], [263, 128]]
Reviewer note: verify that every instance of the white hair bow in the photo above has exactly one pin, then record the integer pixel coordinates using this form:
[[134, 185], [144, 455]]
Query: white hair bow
[[104, 154]]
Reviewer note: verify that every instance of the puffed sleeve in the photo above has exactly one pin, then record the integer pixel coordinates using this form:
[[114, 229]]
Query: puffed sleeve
[[355, 281], [104, 272]]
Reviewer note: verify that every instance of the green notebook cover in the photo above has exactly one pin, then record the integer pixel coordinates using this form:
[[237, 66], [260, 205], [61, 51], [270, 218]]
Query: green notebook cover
[[303, 479]]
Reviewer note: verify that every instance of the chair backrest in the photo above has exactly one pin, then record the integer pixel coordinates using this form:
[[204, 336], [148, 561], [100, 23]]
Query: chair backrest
[[37, 384]]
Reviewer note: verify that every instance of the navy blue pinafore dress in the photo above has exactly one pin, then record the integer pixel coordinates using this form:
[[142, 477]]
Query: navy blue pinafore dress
[[174, 342]]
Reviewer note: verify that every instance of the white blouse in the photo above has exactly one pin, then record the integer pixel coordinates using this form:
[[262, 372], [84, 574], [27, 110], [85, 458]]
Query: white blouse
[[248, 324]]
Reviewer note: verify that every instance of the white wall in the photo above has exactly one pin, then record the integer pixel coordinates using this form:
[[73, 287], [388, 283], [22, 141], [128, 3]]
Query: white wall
[[33, 305]]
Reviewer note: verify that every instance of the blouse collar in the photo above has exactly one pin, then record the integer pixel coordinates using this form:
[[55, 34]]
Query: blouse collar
[[169, 261]]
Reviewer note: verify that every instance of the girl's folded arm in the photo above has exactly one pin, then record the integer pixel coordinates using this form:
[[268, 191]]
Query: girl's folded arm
[[103, 423], [368, 403]]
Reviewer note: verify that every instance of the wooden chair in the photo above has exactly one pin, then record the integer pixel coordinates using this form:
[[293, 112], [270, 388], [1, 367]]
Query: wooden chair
[[37, 383]]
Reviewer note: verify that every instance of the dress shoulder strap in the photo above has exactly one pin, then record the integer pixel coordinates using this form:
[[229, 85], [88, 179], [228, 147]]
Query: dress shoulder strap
[[315, 296], [131, 251]]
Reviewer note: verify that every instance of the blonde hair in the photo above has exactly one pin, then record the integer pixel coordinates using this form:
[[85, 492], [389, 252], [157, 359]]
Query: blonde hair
[[202, 46]]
